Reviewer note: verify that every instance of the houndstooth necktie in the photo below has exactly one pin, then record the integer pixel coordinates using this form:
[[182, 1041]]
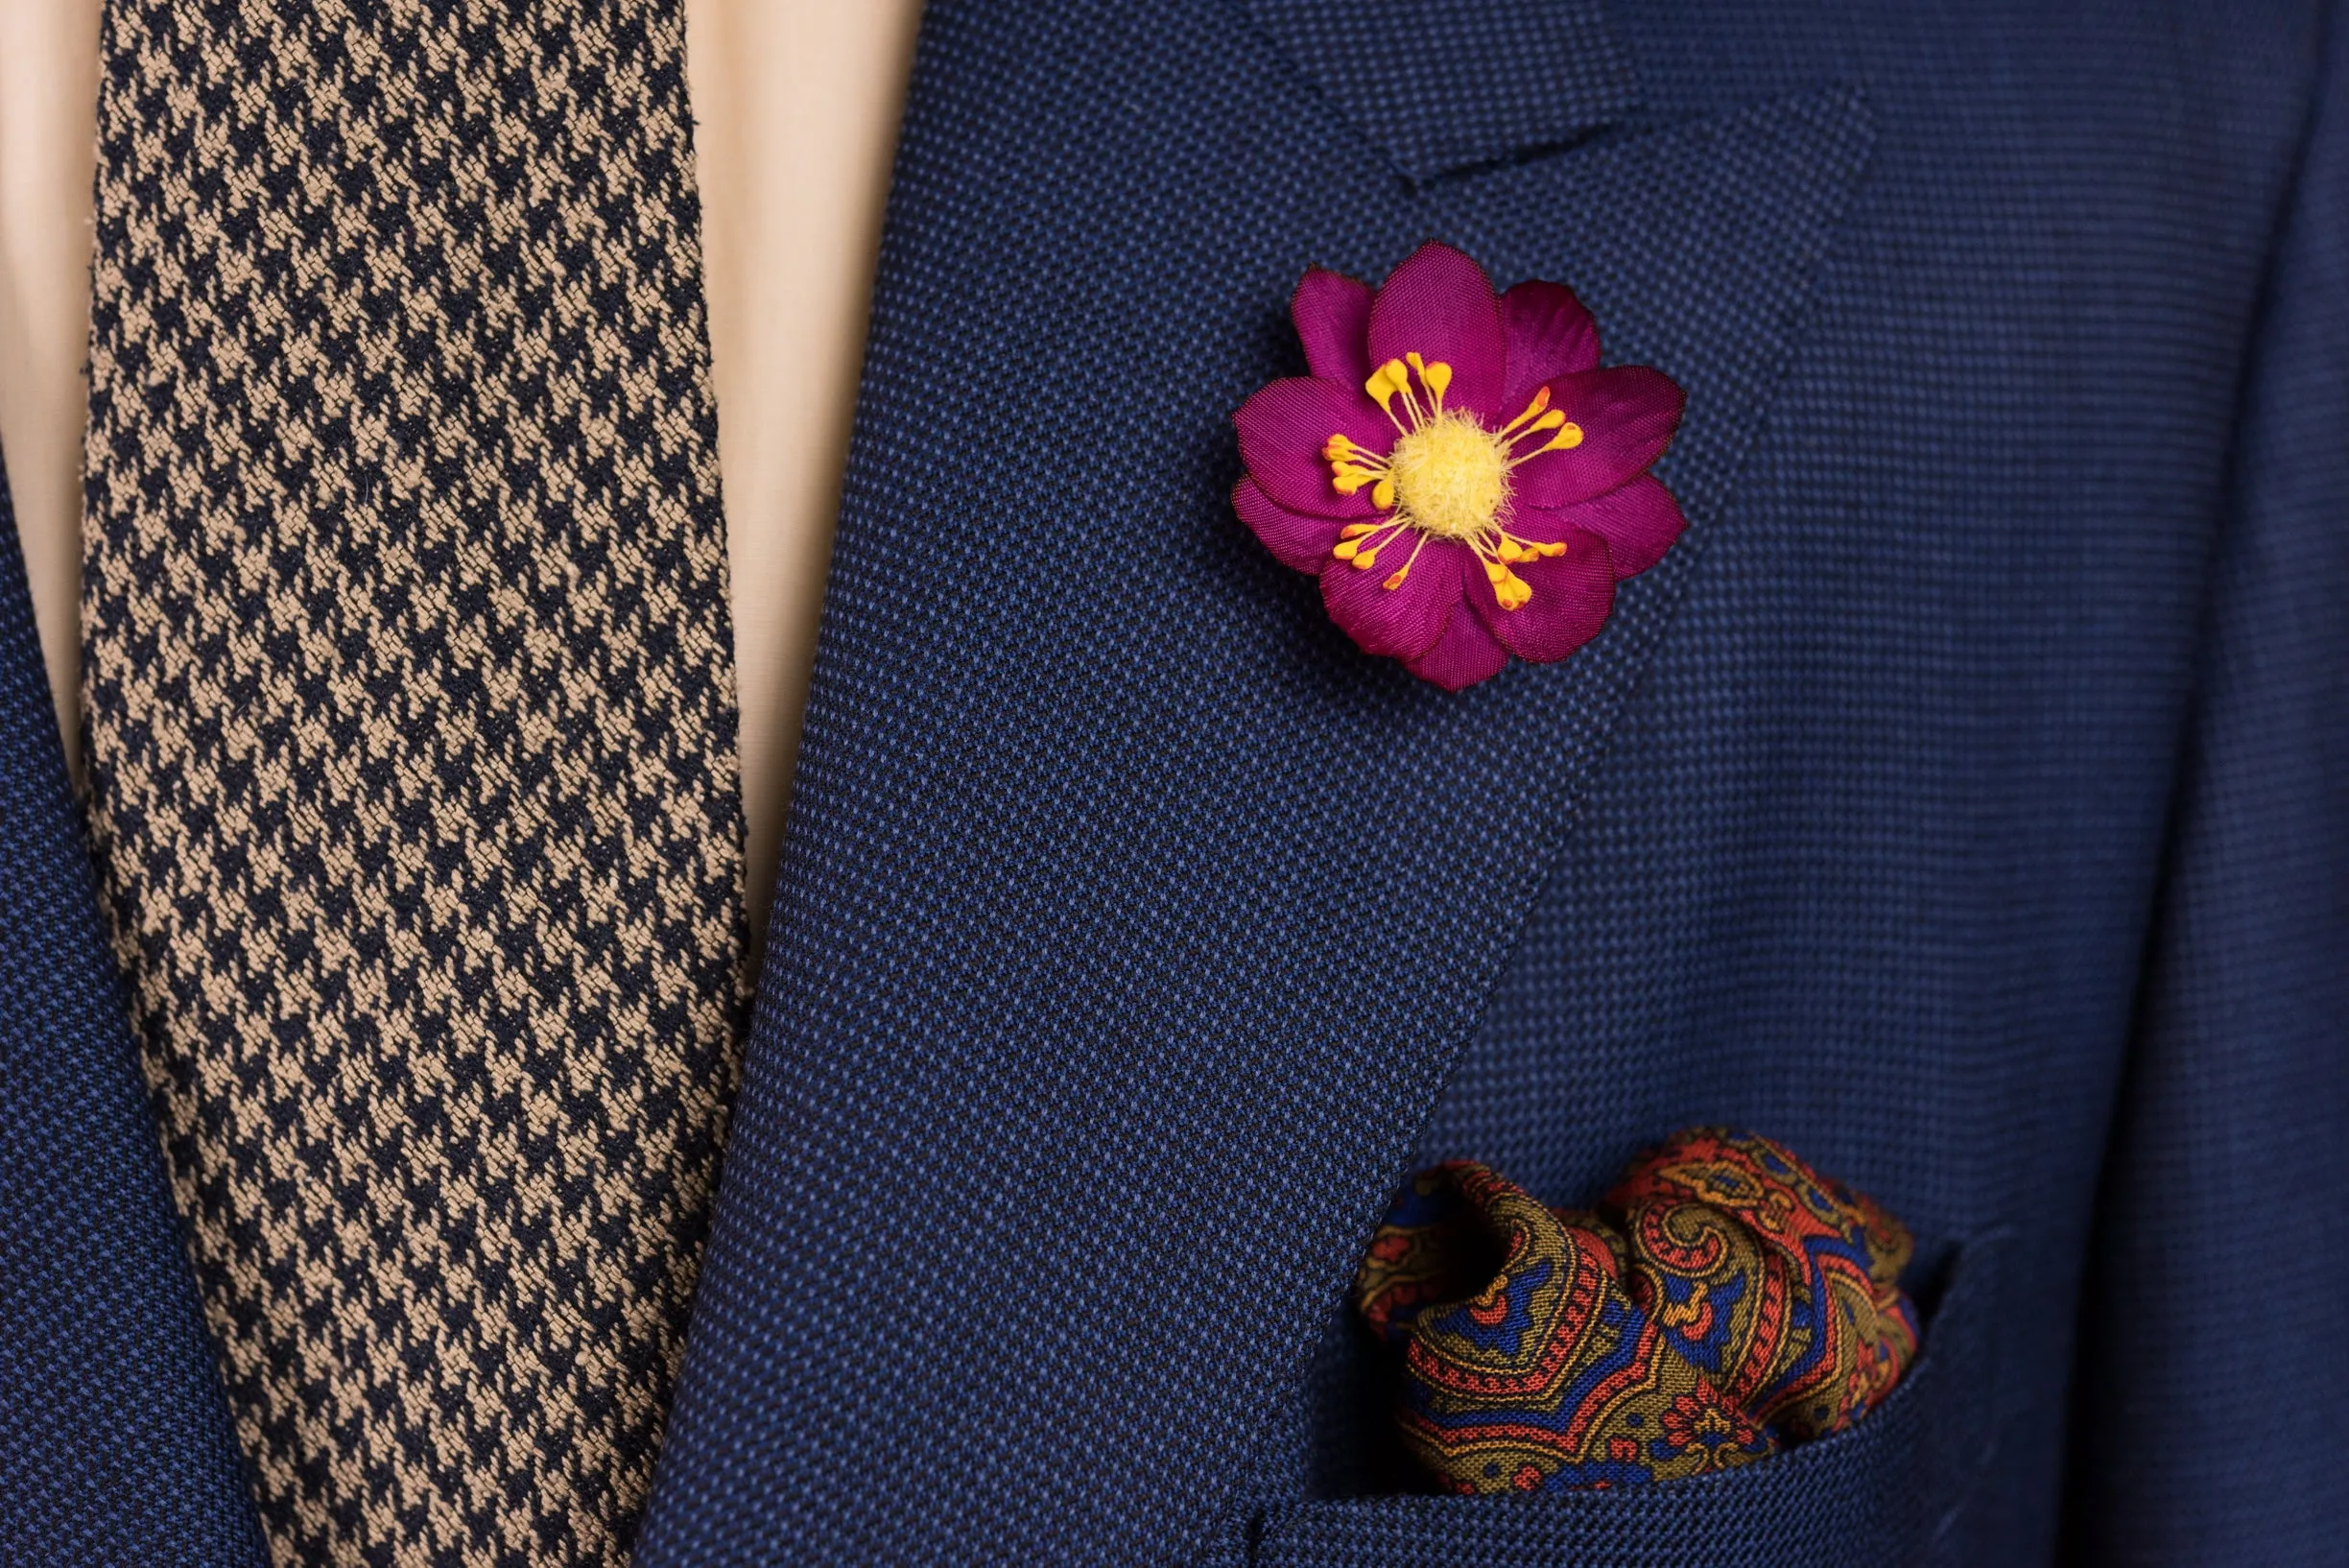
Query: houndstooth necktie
[[412, 736]]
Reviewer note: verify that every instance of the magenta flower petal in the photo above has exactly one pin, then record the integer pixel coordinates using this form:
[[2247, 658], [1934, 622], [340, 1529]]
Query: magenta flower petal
[[1639, 522], [1464, 654], [1332, 312], [1283, 429], [1549, 335], [1402, 622], [1296, 539], [1439, 305], [1487, 457], [1572, 595], [1627, 415]]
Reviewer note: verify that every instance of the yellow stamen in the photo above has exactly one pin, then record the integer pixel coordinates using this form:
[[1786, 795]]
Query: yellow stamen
[[1446, 477], [1404, 571], [1541, 401]]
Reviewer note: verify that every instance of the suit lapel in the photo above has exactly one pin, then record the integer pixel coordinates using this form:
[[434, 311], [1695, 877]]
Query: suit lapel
[[1130, 920], [1438, 85]]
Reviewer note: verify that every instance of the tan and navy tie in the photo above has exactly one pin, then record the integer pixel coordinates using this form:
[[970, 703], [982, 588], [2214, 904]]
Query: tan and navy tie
[[412, 738]]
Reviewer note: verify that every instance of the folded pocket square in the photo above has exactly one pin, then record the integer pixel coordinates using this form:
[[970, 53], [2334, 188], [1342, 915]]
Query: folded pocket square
[[1724, 1301]]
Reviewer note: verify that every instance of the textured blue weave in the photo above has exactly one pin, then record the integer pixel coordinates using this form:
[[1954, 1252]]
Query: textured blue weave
[[2211, 1414], [114, 1439], [1965, 802], [1136, 935], [1440, 84]]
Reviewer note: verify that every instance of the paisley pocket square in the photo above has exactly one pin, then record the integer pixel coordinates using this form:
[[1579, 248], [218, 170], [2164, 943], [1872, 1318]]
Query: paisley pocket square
[[1723, 1303]]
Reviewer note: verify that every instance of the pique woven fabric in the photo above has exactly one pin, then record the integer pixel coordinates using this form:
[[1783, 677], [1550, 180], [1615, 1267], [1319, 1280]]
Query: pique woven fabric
[[1722, 1302], [1117, 882], [412, 729], [114, 1441]]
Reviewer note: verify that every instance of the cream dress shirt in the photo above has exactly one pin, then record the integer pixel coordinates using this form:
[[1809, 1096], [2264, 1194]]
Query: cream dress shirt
[[796, 105]]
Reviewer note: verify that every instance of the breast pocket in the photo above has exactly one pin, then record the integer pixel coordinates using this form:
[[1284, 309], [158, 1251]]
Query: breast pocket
[[1890, 1490]]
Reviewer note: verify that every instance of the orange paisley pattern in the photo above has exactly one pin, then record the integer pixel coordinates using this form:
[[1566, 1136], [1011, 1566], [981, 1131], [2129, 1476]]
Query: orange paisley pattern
[[1723, 1303]]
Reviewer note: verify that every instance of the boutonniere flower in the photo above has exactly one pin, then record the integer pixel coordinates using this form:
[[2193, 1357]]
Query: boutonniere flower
[[1463, 476]]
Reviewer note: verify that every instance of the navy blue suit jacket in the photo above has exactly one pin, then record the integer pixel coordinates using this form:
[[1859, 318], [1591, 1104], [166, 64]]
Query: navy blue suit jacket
[[1965, 801]]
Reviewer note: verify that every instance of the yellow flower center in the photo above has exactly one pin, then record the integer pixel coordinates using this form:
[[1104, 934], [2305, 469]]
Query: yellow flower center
[[1451, 477], [1446, 477]]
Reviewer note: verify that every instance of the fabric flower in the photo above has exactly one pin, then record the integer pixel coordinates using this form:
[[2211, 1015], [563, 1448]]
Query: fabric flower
[[1459, 470]]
